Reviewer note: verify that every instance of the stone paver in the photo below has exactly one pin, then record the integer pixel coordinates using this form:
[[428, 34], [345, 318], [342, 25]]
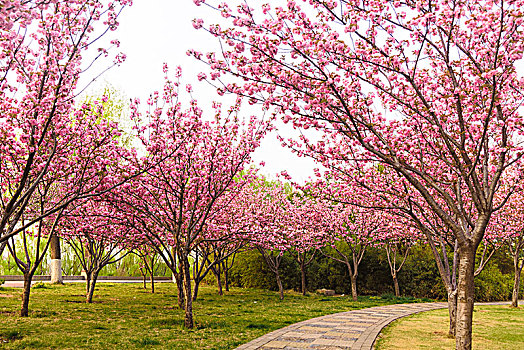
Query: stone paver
[[351, 330]]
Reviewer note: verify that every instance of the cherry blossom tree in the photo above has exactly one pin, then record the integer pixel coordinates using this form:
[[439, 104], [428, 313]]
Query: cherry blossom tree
[[84, 166], [24, 261], [352, 219], [309, 230], [98, 237], [16, 11], [351, 231], [41, 60], [507, 227], [225, 235], [230, 231], [516, 248], [150, 259], [397, 242], [202, 161], [427, 88], [271, 224]]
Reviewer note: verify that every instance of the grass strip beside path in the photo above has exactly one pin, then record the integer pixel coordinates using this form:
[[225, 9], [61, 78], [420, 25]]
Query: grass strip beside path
[[127, 316], [495, 327]]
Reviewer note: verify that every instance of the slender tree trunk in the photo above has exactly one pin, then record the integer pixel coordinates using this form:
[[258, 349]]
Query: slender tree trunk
[[186, 271], [195, 290], [354, 293], [395, 284], [452, 310], [219, 283], [516, 281], [353, 278], [56, 260], [178, 279], [2, 247], [303, 278], [24, 311], [279, 283], [152, 272], [91, 287], [465, 297], [144, 280], [180, 289], [152, 282], [226, 279], [88, 282]]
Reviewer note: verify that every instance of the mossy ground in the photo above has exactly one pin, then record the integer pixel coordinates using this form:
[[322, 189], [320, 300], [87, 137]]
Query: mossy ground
[[125, 316], [494, 328]]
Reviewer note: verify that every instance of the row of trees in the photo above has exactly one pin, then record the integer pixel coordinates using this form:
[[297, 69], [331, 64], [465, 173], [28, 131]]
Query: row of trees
[[267, 216], [411, 107], [428, 90], [418, 278]]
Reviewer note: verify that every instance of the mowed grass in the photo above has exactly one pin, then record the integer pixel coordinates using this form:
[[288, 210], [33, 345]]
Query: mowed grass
[[125, 316], [495, 327]]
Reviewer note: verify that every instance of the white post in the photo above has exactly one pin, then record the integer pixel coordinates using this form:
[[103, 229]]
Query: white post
[[55, 270]]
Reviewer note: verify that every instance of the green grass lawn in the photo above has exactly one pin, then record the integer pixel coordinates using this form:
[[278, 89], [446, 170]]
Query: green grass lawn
[[494, 328], [125, 316]]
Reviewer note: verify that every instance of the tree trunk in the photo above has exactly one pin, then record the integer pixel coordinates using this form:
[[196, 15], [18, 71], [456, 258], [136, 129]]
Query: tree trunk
[[186, 271], [280, 288], [88, 282], [452, 310], [219, 283], [195, 291], [180, 289], [465, 297], [2, 247], [91, 287], [395, 284], [152, 282], [177, 278], [56, 260], [144, 280], [226, 279], [354, 293], [24, 311], [516, 281], [303, 278]]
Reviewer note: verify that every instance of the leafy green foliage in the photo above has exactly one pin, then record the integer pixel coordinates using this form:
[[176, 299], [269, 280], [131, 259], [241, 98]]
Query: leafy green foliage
[[39, 285], [418, 278]]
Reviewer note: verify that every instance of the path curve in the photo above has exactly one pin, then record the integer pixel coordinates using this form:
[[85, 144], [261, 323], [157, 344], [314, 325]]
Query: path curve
[[350, 330]]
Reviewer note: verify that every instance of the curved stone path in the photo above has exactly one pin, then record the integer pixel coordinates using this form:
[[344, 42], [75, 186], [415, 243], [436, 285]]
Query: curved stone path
[[351, 330]]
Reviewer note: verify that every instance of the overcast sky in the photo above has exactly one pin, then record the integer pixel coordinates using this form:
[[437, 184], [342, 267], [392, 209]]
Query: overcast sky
[[156, 31]]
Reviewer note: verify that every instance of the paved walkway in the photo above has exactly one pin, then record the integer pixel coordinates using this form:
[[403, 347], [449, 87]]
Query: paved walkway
[[349, 330]]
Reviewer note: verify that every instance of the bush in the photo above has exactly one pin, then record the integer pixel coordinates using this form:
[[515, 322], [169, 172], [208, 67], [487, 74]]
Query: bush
[[492, 285], [40, 285], [250, 271], [324, 273], [418, 278]]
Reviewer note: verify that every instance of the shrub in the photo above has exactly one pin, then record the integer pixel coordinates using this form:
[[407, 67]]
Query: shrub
[[39, 285], [492, 285]]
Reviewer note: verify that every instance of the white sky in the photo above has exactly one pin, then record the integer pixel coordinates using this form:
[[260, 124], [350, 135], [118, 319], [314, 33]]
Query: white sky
[[156, 31], [152, 32]]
